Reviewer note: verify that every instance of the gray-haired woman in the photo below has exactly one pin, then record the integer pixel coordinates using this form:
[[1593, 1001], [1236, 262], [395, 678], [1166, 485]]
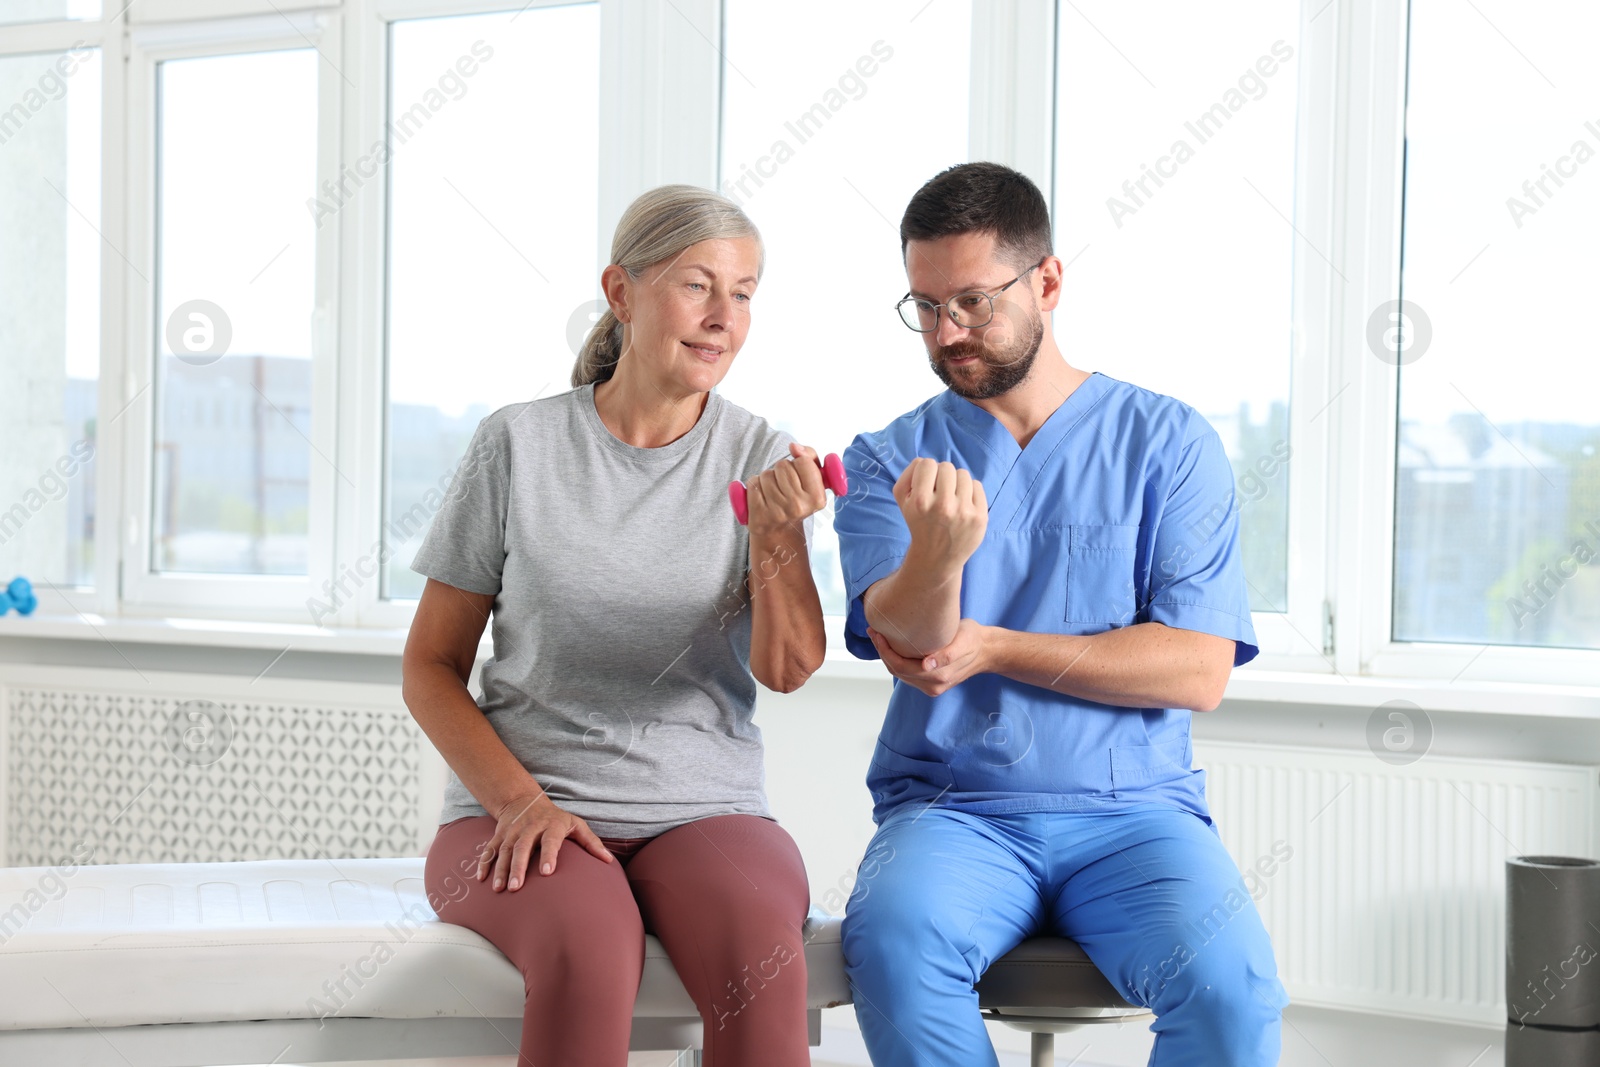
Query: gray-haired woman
[[632, 620]]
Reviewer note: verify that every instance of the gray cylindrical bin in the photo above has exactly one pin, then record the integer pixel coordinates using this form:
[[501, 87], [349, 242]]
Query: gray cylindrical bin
[[1535, 1046], [1552, 961]]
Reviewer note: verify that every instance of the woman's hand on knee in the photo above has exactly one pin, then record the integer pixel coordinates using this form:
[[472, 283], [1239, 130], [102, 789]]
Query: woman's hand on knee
[[528, 822]]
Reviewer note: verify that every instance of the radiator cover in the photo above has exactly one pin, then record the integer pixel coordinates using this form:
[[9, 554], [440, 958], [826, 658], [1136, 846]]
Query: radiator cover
[[1394, 898], [148, 768]]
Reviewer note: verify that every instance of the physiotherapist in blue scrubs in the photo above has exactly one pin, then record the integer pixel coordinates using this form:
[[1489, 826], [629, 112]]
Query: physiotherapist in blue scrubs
[[1047, 561]]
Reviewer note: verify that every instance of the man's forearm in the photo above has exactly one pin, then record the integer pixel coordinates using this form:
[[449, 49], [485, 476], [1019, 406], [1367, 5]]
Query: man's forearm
[[918, 607], [1148, 665]]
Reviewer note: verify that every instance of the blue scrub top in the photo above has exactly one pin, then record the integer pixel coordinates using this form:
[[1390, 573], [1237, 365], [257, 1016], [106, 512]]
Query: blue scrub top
[[1120, 511]]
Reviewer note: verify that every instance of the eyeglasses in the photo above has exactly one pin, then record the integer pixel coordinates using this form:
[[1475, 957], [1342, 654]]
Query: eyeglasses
[[968, 310]]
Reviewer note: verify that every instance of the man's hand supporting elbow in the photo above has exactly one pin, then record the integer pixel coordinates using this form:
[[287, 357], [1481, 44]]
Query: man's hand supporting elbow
[[914, 619], [1147, 665]]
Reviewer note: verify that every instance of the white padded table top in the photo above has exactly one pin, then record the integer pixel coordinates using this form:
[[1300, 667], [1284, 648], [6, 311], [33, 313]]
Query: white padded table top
[[277, 939]]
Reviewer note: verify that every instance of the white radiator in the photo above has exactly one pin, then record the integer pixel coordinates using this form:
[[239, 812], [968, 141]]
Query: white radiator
[[147, 767], [1392, 898]]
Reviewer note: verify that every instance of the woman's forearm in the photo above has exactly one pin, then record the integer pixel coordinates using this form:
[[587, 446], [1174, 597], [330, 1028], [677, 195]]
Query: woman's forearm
[[445, 710], [787, 641]]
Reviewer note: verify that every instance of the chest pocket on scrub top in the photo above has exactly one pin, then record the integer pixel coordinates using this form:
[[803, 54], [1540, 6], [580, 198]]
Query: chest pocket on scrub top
[[1100, 576]]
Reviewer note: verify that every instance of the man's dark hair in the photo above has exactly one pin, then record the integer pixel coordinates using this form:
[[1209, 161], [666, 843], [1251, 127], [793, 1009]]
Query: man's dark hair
[[981, 198]]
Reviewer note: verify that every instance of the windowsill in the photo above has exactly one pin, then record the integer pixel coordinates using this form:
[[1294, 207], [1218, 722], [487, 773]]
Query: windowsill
[[1248, 684], [213, 633]]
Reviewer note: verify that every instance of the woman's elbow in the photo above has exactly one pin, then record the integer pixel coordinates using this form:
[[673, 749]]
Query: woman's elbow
[[790, 675], [785, 681], [786, 684]]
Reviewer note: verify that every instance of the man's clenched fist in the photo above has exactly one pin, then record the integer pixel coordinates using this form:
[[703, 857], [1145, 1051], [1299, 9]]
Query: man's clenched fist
[[945, 510]]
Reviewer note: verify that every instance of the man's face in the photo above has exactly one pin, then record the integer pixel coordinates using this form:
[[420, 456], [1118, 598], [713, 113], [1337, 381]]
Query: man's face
[[989, 360]]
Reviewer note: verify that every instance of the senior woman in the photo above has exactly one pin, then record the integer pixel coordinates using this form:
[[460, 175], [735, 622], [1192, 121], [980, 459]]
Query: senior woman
[[632, 619]]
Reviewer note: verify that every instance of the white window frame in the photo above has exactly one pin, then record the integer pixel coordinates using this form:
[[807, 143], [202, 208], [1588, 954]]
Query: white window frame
[[269, 597], [36, 38], [1301, 639], [175, 11], [1372, 85]]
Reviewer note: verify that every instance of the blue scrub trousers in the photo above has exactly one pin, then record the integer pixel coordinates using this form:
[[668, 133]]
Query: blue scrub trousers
[[1150, 894]]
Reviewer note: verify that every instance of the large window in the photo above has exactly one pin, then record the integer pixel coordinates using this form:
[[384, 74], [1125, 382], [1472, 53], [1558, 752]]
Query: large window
[[830, 123], [1497, 475], [1175, 187], [49, 314], [493, 142], [236, 165], [248, 329]]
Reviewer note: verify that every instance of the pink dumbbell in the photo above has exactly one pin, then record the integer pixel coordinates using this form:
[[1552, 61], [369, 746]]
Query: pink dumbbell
[[832, 477]]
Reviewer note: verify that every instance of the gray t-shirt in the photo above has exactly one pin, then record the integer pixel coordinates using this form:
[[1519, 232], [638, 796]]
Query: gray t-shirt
[[621, 625]]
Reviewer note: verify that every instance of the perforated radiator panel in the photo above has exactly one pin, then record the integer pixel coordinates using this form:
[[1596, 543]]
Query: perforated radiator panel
[[151, 777]]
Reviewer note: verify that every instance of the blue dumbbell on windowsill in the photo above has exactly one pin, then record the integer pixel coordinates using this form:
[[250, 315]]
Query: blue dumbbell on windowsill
[[19, 595]]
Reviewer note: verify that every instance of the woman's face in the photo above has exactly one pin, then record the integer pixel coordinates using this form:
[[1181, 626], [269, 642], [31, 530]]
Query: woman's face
[[687, 317]]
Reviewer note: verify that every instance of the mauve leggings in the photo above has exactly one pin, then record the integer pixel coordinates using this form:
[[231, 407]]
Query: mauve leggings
[[726, 896]]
